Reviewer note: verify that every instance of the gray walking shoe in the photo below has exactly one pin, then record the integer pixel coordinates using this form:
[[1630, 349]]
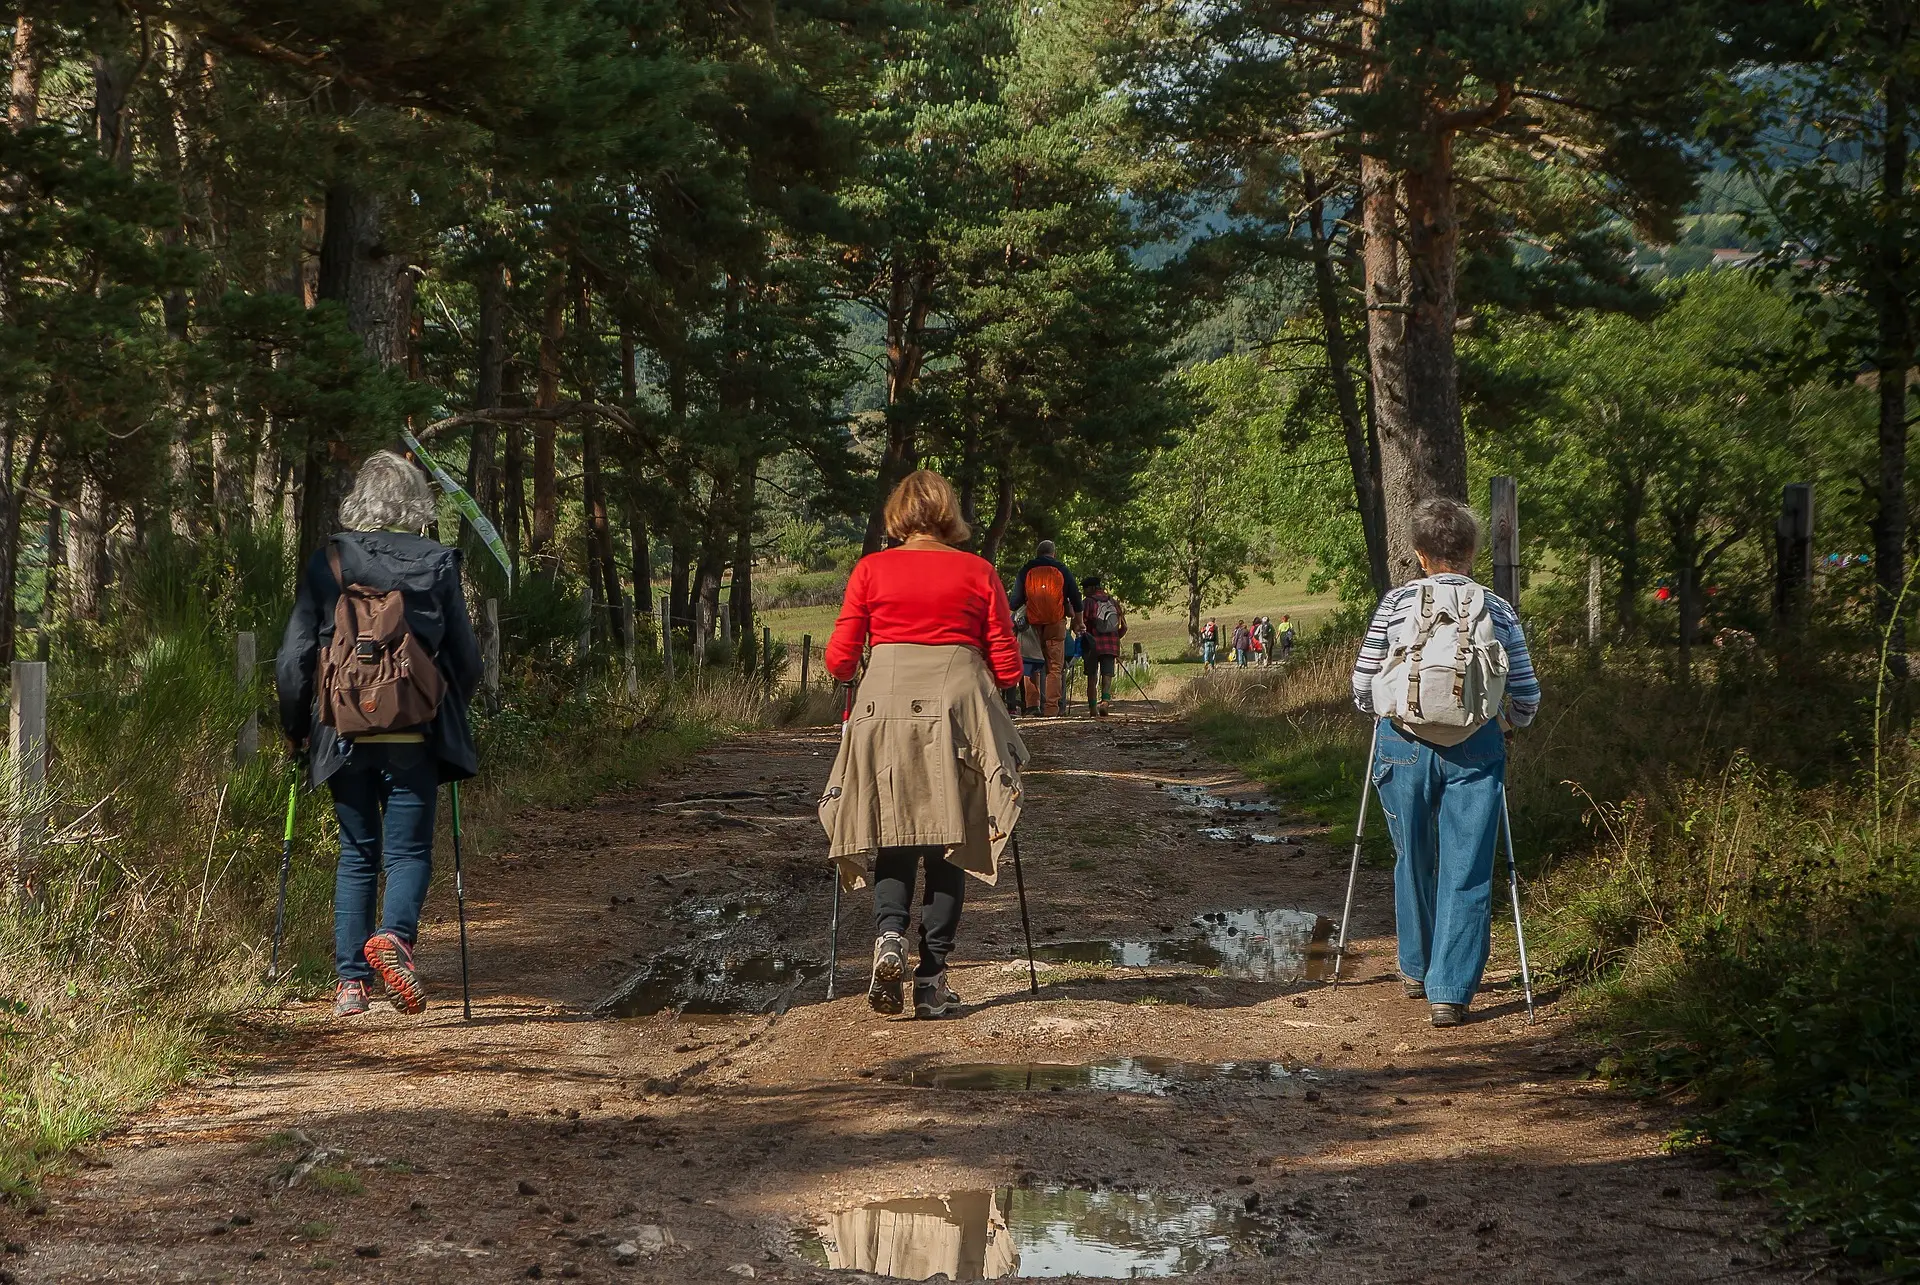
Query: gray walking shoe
[[884, 993], [1449, 1014], [1412, 989], [932, 997]]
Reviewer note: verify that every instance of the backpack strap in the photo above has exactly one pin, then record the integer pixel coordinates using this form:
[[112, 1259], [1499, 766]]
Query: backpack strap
[[1422, 632], [340, 579]]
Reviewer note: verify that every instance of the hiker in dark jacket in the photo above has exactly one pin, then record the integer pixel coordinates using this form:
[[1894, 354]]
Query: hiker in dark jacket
[[1100, 645], [385, 785]]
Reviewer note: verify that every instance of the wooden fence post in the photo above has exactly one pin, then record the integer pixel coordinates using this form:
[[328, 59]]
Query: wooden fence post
[[1593, 601], [1793, 551], [248, 743], [490, 649], [28, 744], [1504, 510], [806, 656], [626, 627], [666, 638]]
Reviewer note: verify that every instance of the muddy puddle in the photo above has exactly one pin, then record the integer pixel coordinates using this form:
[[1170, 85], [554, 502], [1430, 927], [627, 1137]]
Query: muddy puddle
[[722, 912], [1199, 796], [1043, 1231], [1153, 1075], [756, 981], [1255, 945]]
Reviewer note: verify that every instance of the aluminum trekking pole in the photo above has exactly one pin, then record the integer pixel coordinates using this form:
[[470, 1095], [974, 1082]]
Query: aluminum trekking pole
[[1128, 671], [1359, 833], [833, 934], [460, 901], [1026, 925], [1513, 894], [286, 864]]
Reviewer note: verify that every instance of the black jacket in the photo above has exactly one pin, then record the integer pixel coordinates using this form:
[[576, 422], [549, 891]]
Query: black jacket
[[1019, 595], [428, 575]]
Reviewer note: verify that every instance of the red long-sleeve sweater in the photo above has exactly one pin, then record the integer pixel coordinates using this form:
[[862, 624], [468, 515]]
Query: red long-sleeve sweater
[[927, 594]]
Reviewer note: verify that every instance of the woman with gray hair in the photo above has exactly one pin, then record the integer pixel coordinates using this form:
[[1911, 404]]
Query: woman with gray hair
[[381, 726]]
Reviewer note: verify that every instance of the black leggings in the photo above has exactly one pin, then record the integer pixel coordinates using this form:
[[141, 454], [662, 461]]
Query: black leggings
[[893, 874]]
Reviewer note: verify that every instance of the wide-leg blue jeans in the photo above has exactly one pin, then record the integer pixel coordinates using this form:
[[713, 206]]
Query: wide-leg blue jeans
[[384, 797], [1443, 810]]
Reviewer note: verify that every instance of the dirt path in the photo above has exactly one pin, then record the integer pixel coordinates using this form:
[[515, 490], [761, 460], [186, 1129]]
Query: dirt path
[[544, 1139]]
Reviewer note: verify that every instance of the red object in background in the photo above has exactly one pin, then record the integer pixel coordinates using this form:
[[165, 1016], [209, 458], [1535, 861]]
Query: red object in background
[[1663, 594]]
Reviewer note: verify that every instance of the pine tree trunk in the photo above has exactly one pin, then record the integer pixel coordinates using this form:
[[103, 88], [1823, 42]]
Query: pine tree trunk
[[642, 560], [1002, 517], [909, 294], [1894, 363], [86, 550], [1353, 421], [483, 478], [740, 597], [546, 477]]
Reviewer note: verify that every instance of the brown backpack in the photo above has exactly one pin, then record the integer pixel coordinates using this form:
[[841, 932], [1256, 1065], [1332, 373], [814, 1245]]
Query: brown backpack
[[376, 675]]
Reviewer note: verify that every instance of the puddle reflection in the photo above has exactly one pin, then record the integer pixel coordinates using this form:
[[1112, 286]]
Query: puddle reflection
[[1154, 1075], [1257, 945], [746, 983], [1047, 1231], [1199, 796]]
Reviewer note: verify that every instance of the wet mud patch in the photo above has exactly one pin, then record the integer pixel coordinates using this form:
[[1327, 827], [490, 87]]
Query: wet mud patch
[[1205, 800], [1249, 945], [1040, 1232], [1157, 1076], [756, 981]]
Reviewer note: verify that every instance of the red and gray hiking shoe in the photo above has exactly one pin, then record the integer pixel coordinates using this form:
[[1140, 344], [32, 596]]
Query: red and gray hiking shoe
[[393, 960], [350, 998], [884, 993]]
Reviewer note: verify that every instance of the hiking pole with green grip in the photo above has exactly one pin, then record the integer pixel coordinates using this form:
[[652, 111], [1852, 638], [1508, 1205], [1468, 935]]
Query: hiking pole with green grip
[[286, 864], [460, 901]]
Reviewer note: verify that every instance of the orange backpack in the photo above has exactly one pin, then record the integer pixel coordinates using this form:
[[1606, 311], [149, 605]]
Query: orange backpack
[[1046, 590], [376, 675]]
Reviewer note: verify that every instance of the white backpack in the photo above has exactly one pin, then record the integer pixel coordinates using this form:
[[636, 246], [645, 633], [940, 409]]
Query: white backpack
[[1446, 673]]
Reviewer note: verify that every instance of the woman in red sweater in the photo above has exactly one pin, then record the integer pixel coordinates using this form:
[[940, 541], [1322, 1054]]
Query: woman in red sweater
[[928, 772]]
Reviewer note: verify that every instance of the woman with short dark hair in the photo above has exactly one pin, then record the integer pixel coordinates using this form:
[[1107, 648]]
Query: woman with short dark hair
[[385, 783], [928, 772]]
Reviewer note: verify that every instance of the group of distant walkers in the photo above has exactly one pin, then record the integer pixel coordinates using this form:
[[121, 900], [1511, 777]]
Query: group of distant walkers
[[380, 660], [1260, 643]]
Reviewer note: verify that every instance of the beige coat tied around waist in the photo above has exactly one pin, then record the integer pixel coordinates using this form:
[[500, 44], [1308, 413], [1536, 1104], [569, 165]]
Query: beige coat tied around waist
[[928, 756]]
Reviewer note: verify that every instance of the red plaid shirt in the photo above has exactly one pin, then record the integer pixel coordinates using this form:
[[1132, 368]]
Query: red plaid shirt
[[1103, 644]]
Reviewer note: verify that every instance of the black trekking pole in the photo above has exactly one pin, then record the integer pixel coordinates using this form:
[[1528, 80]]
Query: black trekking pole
[[1353, 871], [1026, 925], [460, 901], [1128, 671], [286, 865]]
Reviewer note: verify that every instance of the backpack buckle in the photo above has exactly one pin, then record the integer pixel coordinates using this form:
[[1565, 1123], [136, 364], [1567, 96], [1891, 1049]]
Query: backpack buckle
[[367, 652]]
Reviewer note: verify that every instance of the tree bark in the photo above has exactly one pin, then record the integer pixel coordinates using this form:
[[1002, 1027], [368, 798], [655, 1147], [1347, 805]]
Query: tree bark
[[23, 99], [1353, 420], [483, 477], [642, 560], [740, 596], [546, 479], [1002, 516], [1894, 363], [593, 483], [909, 295]]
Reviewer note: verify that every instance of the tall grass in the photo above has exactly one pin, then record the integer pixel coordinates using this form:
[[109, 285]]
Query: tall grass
[[146, 931], [1724, 881]]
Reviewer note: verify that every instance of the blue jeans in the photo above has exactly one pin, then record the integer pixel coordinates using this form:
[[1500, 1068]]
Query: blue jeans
[[1206, 654], [1443, 811], [384, 796]]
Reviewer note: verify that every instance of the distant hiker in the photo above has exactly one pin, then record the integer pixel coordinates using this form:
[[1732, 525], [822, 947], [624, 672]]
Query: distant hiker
[[1209, 641], [1286, 637], [375, 672], [1047, 590], [1100, 644], [928, 772], [1263, 640], [1242, 643], [1033, 663], [1437, 660]]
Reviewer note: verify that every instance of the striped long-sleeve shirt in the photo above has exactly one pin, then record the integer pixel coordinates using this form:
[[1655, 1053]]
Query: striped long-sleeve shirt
[[1523, 686]]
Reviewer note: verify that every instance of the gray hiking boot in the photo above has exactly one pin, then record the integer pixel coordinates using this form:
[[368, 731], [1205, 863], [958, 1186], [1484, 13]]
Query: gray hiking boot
[[884, 993], [350, 999], [1412, 989], [932, 997], [1449, 1014]]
